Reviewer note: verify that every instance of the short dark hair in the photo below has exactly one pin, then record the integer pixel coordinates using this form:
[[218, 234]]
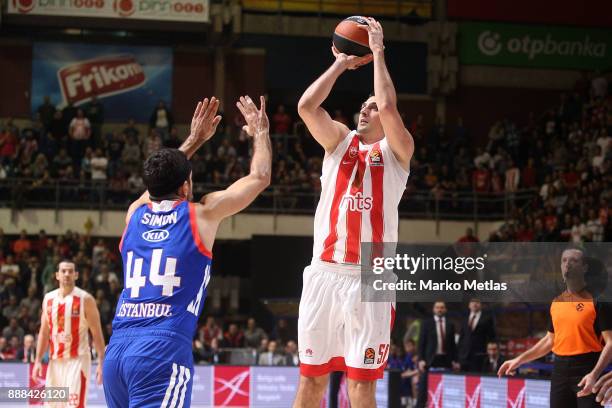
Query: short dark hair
[[165, 171]]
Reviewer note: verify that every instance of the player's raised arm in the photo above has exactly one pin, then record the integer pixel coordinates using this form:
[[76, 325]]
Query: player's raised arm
[[239, 195], [399, 138], [203, 126], [42, 344], [326, 131], [93, 321]]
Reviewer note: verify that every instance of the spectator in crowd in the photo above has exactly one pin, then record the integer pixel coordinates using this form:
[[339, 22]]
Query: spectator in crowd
[[152, 143], [468, 237], [32, 302], [46, 111], [271, 357], [99, 166], [80, 133], [477, 330], [253, 334], [23, 244], [27, 353], [281, 121], [233, 337], [10, 268], [94, 111], [13, 329], [281, 332], [130, 131], [291, 354], [493, 360], [210, 331], [437, 347], [161, 120]]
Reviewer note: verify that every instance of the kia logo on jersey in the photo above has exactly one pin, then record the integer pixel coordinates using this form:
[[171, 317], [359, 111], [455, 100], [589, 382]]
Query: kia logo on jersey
[[232, 386], [156, 235]]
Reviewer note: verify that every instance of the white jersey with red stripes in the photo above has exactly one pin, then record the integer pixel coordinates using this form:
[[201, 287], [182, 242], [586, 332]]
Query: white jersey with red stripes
[[361, 187], [68, 329]]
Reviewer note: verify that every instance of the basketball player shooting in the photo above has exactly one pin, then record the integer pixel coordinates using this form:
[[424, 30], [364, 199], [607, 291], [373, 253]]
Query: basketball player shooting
[[364, 176], [166, 251], [68, 314]]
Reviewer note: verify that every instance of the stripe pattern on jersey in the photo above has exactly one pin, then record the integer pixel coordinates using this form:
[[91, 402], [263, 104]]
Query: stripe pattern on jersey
[[175, 393], [360, 174]]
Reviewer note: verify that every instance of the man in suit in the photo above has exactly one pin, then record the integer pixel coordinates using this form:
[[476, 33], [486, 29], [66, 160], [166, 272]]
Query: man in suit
[[271, 357], [494, 360], [477, 330], [437, 347]]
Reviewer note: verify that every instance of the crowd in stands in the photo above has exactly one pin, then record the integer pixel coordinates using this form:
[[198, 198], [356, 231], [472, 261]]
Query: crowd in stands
[[564, 154]]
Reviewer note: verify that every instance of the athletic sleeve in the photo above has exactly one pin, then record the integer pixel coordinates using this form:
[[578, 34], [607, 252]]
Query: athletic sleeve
[[603, 319]]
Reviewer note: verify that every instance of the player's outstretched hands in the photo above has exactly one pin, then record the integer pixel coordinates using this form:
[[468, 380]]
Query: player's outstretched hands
[[587, 383], [603, 389], [256, 119], [37, 372], [350, 61], [205, 119], [508, 367], [375, 34]]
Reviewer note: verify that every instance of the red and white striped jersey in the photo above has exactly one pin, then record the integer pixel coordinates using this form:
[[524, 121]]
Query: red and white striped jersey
[[68, 329], [361, 187]]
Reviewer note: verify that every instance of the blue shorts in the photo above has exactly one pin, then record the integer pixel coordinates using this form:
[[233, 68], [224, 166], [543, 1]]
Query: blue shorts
[[148, 369]]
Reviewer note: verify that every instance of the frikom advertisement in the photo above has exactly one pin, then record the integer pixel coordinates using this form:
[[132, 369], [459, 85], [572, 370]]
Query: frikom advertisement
[[129, 81]]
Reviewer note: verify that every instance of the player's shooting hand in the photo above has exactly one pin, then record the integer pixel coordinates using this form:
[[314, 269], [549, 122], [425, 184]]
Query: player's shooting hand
[[350, 61], [37, 372], [587, 383], [256, 119], [99, 373], [205, 119], [603, 388], [375, 34]]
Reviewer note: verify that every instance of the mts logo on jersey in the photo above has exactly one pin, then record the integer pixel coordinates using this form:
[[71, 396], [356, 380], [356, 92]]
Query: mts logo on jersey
[[232, 387], [356, 203]]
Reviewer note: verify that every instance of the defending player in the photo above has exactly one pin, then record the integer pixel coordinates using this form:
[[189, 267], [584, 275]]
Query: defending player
[[166, 251], [68, 313], [364, 176]]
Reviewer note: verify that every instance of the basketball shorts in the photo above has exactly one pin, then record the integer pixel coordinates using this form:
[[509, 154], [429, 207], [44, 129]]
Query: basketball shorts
[[72, 373], [147, 371], [336, 330]]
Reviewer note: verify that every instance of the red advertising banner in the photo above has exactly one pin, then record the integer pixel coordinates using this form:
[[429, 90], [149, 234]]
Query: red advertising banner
[[232, 386], [589, 13]]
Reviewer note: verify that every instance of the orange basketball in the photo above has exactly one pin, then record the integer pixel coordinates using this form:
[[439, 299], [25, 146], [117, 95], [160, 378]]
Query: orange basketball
[[350, 39]]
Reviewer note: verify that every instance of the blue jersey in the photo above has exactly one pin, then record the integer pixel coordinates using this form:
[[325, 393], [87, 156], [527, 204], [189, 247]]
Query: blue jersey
[[166, 269]]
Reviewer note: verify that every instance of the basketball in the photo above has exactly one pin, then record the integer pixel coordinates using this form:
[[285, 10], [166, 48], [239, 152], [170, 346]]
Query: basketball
[[350, 39]]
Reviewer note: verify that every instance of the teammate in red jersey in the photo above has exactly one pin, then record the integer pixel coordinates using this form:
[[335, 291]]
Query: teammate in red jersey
[[68, 314]]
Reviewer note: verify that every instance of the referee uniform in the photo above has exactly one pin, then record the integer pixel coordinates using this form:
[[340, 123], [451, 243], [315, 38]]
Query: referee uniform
[[577, 321]]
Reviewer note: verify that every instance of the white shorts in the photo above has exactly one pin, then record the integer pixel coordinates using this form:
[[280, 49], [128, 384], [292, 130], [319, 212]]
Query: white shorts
[[336, 330], [72, 373]]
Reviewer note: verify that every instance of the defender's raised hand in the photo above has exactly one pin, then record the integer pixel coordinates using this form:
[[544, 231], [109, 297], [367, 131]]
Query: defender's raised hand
[[205, 120], [256, 119]]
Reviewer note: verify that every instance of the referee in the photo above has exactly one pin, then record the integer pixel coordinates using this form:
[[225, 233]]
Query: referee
[[578, 329]]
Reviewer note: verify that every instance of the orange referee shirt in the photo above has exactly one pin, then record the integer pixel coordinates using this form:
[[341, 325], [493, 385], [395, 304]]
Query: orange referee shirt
[[577, 321]]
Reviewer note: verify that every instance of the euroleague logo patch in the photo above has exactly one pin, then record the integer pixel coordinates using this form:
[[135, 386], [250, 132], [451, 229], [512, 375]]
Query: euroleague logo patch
[[376, 158], [580, 307], [369, 355]]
